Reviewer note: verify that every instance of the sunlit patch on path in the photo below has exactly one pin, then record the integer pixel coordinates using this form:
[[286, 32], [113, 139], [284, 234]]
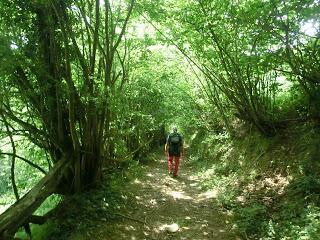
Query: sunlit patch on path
[[169, 208]]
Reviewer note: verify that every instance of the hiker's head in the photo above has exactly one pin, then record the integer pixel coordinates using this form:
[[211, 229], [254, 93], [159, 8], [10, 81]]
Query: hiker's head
[[174, 129]]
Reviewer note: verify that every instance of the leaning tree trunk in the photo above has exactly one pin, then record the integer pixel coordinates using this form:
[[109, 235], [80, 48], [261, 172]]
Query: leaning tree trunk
[[19, 213]]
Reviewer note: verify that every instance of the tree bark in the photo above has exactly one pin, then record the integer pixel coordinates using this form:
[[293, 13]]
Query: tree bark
[[20, 212]]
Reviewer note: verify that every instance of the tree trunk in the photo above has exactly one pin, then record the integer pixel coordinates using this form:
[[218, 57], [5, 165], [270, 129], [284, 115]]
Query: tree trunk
[[19, 213]]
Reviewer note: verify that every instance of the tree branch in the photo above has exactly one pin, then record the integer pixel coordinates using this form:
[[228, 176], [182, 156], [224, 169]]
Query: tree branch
[[26, 161], [124, 25], [13, 181]]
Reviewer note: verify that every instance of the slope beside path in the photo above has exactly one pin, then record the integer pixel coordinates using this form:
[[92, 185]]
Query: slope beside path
[[167, 208]]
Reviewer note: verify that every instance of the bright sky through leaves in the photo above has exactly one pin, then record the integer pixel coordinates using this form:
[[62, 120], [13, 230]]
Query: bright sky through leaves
[[310, 28]]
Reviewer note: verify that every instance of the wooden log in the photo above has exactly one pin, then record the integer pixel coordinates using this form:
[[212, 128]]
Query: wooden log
[[21, 211]]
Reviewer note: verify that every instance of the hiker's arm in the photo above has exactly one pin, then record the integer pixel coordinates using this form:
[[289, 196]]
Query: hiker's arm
[[166, 146]]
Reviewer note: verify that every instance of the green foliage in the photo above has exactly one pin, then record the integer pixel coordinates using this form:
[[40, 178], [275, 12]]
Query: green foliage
[[38, 232], [85, 212], [303, 226], [4, 178], [26, 175], [305, 187], [242, 61], [156, 96], [49, 204], [43, 231], [66, 83], [270, 185], [291, 104], [250, 218], [308, 226]]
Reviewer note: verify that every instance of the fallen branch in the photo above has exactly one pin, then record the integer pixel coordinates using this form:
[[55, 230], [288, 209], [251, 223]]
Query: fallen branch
[[130, 218]]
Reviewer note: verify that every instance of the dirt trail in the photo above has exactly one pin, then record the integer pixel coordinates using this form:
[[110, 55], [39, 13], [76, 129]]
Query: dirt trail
[[161, 200]]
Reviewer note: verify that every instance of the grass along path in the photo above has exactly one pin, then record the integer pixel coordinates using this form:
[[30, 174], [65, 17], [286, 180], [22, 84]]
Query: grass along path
[[160, 201]]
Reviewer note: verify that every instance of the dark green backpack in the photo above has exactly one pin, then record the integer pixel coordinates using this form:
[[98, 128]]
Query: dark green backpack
[[175, 141], [175, 138]]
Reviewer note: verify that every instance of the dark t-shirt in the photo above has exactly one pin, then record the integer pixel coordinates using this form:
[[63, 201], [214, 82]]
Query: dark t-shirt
[[175, 143]]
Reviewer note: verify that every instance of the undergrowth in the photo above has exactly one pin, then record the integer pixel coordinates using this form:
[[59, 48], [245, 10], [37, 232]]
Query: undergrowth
[[270, 185], [85, 212]]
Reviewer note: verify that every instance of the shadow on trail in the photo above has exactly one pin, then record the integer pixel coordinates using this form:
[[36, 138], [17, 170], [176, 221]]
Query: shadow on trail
[[160, 201]]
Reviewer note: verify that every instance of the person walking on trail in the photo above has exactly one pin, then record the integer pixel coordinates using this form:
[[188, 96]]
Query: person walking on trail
[[174, 151]]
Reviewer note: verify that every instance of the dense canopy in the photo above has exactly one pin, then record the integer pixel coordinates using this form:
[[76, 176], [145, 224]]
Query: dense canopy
[[90, 85]]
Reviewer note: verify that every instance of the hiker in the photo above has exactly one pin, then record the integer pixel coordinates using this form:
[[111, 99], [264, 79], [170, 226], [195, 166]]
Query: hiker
[[174, 150]]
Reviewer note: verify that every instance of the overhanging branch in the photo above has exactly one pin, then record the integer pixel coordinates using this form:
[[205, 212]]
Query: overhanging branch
[[26, 161]]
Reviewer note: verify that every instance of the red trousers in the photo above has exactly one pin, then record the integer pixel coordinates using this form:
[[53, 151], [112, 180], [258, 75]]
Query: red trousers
[[173, 167]]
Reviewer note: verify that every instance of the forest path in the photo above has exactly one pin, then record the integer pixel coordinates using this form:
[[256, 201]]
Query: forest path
[[159, 201]]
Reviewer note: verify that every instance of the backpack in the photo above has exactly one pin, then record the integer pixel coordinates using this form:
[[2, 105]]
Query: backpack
[[175, 143], [175, 138]]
